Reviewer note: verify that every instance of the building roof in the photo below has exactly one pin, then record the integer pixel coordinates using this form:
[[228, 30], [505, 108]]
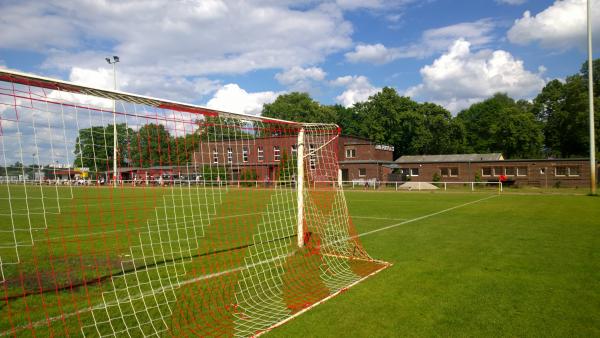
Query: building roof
[[366, 162], [450, 158]]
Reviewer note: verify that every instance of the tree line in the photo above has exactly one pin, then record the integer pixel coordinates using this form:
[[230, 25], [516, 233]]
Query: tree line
[[554, 124]]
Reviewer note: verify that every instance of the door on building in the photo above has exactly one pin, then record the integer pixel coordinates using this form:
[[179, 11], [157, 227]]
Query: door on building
[[345, 176]]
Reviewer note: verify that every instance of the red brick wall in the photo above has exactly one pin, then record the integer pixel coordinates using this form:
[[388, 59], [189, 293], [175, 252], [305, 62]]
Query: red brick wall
[[533, 177], [365, 150]]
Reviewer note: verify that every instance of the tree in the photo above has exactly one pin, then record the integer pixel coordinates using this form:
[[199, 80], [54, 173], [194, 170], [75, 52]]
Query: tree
[[563, 110], [94, 147], [153, 146], [299, 107], [499, 124], [447, 133]]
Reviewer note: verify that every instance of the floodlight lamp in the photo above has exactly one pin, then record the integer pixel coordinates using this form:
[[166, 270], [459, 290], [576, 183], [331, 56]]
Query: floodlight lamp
[[107, 60], [116, 58]]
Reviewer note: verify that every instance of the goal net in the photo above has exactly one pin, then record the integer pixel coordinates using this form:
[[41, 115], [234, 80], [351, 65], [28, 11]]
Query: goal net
[[128, 215]]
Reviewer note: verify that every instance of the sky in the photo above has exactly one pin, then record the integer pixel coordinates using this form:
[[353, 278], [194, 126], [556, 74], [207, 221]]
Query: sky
[[237, 55]]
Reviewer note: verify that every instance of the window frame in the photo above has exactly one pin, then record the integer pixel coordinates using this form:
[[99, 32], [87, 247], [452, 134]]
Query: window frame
[[362, 169], [578, 172], [277, 153], [229, 155], [245, 154], [260, 154], [215, 154], [561, 167]]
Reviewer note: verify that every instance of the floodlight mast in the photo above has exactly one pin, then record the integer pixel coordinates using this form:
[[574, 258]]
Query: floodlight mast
[[591, 100], [113, 62]]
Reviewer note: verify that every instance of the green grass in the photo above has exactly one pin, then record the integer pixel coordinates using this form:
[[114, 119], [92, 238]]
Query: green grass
[[524, 263], [513, 265]]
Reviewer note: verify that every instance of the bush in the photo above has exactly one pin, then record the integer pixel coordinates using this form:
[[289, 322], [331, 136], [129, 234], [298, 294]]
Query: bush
[[249, 176]]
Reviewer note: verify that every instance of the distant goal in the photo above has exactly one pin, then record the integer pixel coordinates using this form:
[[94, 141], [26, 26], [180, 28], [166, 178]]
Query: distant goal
[[125, 215]]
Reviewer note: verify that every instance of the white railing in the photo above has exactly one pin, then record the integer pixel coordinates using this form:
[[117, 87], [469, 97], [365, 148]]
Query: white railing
[[417, 185]]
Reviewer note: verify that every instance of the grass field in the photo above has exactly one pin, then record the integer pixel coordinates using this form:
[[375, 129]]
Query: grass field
[[512, 265], [464, 264]]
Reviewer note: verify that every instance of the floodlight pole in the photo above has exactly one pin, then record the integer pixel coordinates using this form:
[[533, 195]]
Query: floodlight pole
[[591, 99], [113, 62]]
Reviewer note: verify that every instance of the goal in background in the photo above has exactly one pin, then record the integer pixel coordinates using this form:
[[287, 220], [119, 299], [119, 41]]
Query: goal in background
[[129, 215]]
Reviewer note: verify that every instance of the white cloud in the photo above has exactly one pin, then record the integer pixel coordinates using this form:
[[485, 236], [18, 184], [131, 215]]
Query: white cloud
[[232, 98], [511, 2], [183, 38], [358, 89], [432, 41], [461, 77], [376, 53], [560, 26], [300, 78], [372, 4], [170, 49]]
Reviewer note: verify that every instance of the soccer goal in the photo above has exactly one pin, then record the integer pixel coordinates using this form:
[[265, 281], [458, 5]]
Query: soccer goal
[[126, 215]]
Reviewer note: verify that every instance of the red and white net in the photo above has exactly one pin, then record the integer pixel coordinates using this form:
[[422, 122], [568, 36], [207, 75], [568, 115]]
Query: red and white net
[[195, 231]]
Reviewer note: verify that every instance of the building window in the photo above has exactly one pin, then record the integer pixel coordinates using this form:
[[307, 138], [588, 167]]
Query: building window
[[245, 152], [229, 155], [362, 172], [294, 150], [573, 171], [313, 156], [486, 171], [215, 156], [542, 171], [276, 153], [498, 171], [350, 153], [521, 171], [510, 171], [414, 171], [561, 171], [449, 172], [261, 154]]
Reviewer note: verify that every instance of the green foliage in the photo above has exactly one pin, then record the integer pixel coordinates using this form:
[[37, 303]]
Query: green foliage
[[94, 147], [436, 177], [214, 173], [249, 176], [287, 167], [563, 109], [154, 146], [299, 107], [499, 124]]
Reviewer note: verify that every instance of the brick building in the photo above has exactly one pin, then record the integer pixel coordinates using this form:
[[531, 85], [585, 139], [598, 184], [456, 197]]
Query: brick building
[[359, 159], [574, 172]]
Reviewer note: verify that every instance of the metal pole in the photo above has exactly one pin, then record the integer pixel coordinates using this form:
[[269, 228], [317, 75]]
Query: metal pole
[[115, 127], [591, 99]]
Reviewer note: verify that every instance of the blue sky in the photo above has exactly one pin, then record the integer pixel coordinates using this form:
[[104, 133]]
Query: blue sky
[[238, 55]]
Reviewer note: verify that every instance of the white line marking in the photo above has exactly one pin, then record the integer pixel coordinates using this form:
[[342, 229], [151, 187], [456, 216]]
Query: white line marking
[[422, 217], [382, 218]]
